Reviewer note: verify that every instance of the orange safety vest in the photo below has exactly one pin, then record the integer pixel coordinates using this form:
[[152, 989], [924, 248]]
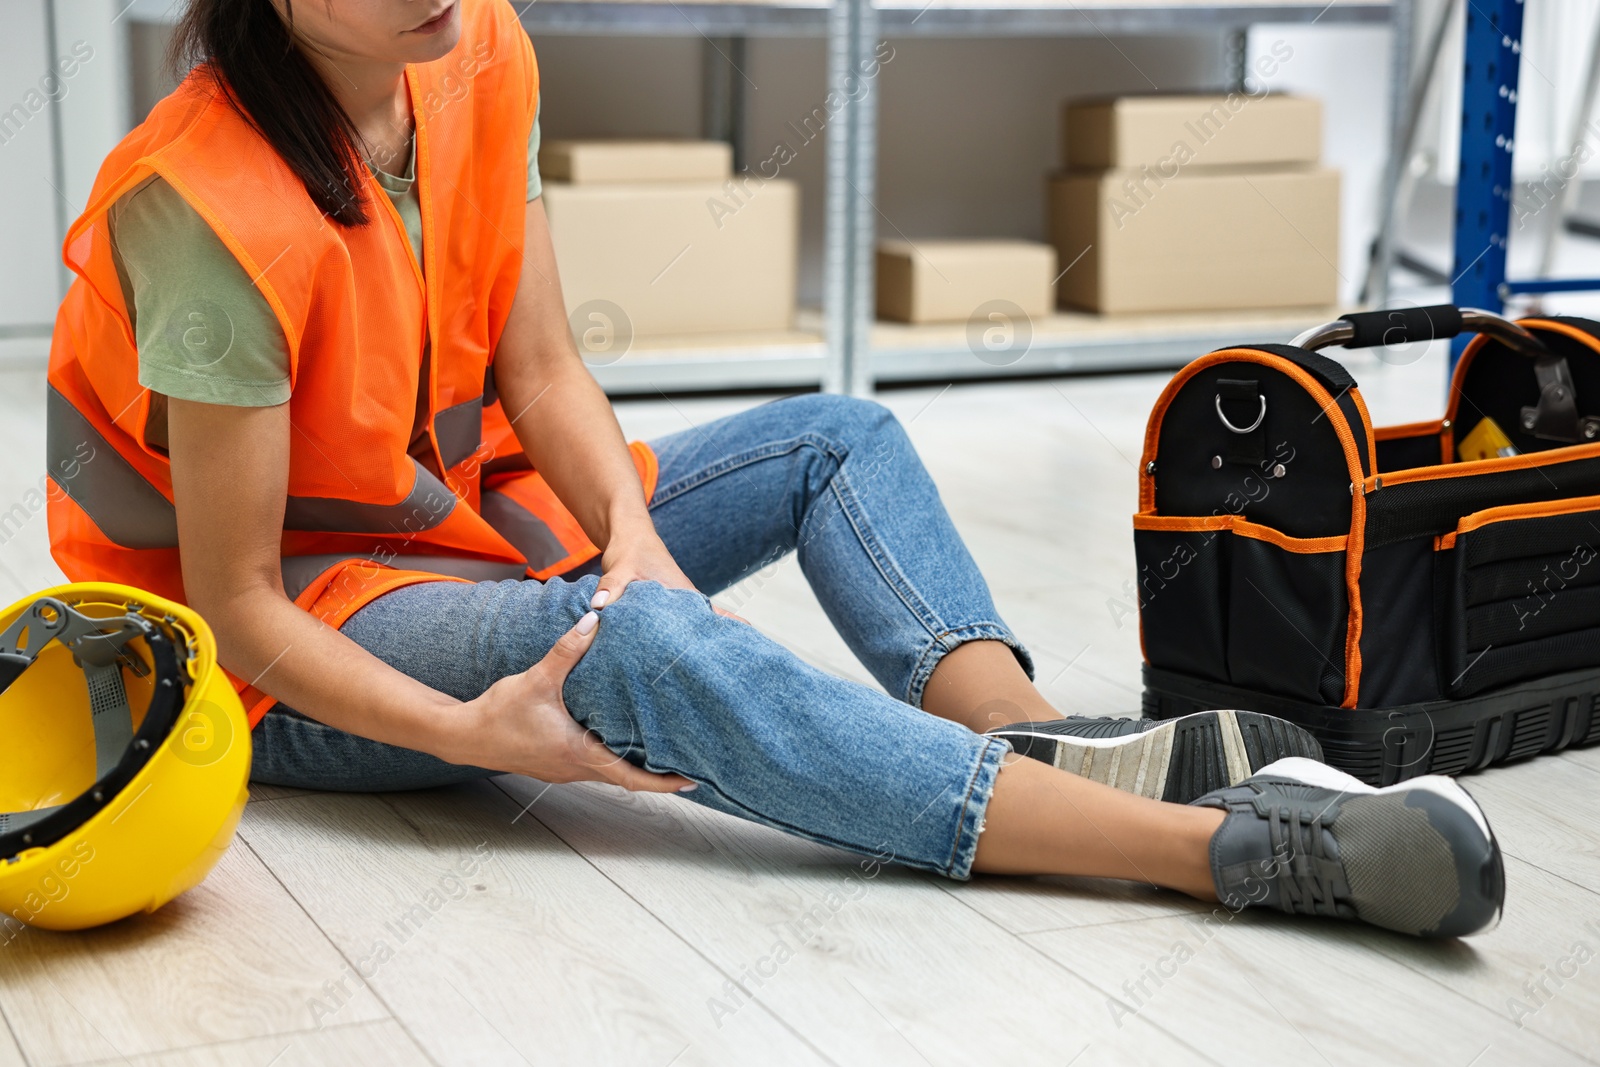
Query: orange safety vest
[[362, 517]]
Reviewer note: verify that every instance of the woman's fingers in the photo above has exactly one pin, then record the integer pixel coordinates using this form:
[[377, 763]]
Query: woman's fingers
[[567, 651], [731, 615], [610, 767]]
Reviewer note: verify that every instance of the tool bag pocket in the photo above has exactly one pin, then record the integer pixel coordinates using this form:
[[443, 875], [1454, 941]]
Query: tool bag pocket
[[1232, 601], [1524, 593]]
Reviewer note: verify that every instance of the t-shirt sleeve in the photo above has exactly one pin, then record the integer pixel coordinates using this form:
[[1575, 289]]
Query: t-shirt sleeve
[[535, 183], [205, 332]]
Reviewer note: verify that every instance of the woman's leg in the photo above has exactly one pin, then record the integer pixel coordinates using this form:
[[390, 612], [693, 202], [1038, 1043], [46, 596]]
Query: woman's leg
[[837, 480], [670, 685]]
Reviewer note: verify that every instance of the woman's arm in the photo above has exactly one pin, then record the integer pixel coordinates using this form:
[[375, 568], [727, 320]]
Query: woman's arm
[[566, 426], [230, 477]]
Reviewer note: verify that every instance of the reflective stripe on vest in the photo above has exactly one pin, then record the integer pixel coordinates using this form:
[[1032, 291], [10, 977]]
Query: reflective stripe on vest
[[134, 514]]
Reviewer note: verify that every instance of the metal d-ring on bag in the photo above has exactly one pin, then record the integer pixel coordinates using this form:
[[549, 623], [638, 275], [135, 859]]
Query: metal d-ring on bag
[[1260, 417]]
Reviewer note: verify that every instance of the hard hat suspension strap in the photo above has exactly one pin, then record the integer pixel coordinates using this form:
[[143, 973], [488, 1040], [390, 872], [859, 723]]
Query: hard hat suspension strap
[[99, 647]]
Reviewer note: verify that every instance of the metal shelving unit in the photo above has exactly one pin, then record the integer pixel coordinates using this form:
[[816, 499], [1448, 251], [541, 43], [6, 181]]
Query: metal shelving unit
[[810, 354], [1066, 341], [851, 351], [1492, 64], [840, 347]]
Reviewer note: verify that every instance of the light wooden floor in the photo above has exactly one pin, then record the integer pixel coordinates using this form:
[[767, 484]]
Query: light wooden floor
[[600, 928]]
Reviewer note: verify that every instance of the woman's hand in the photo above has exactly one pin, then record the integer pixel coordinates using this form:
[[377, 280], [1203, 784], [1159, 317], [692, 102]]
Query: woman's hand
[[641, 557], [521, 725], [637, 557]]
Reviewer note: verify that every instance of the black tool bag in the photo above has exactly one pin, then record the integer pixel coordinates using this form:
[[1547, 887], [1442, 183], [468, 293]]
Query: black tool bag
[[1419, 613]]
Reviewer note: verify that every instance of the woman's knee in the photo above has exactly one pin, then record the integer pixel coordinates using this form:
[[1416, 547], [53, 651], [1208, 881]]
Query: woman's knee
[[852, 423], [650, 625]]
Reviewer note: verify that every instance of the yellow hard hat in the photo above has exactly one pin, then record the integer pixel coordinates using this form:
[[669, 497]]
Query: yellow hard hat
[[125, 757]]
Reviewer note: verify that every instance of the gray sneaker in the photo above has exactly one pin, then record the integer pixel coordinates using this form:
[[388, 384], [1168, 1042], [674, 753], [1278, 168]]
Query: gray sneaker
[[1167, 759], [1417, 857]]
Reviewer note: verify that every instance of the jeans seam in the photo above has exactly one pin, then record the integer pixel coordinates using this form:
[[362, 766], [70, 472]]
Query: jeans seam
[[812, 835], [728, 464], [966, 801], [881, 560]]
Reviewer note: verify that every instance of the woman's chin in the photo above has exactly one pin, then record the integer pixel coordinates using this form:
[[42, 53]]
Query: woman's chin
[[429, 49]]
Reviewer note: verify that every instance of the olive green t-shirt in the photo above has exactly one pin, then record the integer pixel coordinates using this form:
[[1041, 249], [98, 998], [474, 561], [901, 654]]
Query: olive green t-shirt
[[204, 331]]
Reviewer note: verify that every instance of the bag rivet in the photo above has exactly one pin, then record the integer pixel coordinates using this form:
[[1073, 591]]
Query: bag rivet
[[1150, 468], [1216, 463], [1528, 420], [1279, 470], [1445, 424], [1590, 430]]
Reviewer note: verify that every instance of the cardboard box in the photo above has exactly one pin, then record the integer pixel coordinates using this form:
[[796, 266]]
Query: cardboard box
[[1206, 240], [680, 257], [946, 281], [1169, 132], [596, 162]]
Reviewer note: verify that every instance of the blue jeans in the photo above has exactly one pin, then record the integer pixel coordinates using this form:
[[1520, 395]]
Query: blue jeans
[[670, 685]]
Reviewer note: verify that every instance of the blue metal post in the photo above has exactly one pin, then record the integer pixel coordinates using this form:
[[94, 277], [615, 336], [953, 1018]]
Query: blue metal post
[[1488, 127]]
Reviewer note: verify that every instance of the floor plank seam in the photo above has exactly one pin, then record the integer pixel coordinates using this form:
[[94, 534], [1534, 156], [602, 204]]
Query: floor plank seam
[[27, 1060], [1523, 859], [1096, 987], [772, 1014], [244, 840], [1480, 1007], [1023, 941], [287, 1034]]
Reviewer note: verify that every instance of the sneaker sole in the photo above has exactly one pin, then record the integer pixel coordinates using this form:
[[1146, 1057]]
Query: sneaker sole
[[1177, 761]]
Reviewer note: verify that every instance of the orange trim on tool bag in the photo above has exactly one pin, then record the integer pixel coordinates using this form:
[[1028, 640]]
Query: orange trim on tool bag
[[1238, 524], [1152, 433], [1582, 337], [1407, 430], [1352, 457], [1465, 468], [1366, 417], [1147, 520], [1538, 510], [1459, 375], [1510, 512], [1311, 545], [1412, 430]]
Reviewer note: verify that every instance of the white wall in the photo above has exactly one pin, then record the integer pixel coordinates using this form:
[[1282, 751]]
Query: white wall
[[75, 84], [29, 288]]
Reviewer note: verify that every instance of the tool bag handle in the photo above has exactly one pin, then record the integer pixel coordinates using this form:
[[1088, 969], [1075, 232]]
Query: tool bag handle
[[1398, 326]]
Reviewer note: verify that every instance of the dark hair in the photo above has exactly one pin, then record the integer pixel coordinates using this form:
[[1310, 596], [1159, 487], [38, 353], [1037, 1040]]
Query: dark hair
[[253, 58]]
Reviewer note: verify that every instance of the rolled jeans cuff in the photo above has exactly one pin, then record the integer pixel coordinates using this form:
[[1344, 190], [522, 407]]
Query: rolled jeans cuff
[[970, 819], [950, 640]]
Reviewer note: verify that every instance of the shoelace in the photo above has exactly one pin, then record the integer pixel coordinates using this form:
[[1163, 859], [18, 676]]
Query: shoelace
[[1309, 879]]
